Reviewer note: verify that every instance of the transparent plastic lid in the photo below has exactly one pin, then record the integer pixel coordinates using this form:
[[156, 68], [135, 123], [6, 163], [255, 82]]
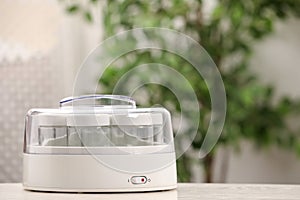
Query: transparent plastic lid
[[101, 124]]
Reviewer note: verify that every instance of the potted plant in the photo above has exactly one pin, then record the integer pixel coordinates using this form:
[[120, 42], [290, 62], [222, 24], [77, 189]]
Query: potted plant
[[228, 31]]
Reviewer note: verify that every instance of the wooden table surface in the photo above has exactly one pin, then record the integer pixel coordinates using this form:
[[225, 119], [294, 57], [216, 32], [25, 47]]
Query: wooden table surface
[[14, 191]]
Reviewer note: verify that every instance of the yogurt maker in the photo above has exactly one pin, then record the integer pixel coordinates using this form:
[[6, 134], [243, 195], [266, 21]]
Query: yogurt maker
[[99, 143]]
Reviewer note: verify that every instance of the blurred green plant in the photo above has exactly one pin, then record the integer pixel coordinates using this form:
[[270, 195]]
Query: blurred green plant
[[228, 31]]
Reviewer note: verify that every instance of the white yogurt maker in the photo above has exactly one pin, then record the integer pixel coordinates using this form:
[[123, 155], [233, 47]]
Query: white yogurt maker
[[99, 143]]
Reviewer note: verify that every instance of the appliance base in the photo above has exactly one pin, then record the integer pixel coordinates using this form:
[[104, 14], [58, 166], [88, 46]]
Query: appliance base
[[85, 173]]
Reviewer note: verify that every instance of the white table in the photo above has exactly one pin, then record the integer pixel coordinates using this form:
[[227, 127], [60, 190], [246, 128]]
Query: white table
[[15, 191]]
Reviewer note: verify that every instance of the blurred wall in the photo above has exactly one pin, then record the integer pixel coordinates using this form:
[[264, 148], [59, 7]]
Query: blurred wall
[[40, 50], [29, 73]]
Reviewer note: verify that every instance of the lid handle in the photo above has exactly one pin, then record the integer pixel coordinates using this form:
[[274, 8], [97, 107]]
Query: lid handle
[[69, 100]]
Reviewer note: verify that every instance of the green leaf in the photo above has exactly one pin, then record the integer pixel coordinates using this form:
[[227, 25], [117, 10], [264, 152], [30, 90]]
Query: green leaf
[[88, 17], [236, 15], [72, 9]]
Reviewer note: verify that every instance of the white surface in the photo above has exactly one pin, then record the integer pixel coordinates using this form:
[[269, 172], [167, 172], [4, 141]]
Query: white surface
[[183, 192]]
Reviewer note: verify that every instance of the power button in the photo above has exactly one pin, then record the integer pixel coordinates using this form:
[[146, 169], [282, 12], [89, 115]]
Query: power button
[[138, 179]]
